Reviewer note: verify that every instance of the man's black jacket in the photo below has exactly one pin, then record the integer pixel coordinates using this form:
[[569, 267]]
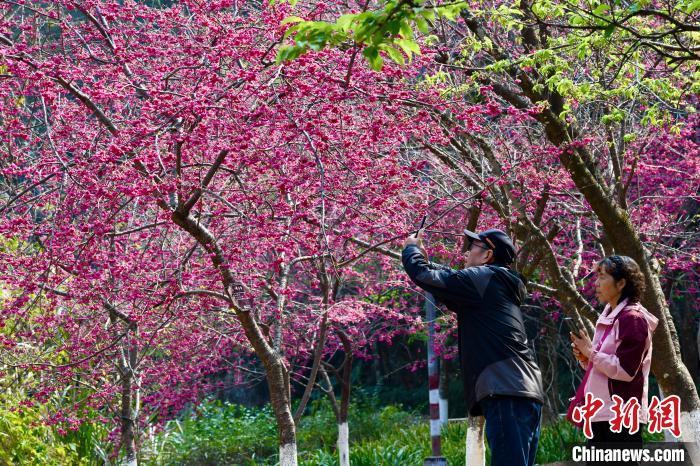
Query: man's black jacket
[[493, 350]]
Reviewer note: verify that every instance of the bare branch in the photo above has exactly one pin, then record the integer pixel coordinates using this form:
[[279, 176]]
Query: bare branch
[[197, 194]]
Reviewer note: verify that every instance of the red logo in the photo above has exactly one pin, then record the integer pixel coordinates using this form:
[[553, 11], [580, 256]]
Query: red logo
[[626, 415], [585, 412], [665, 414]]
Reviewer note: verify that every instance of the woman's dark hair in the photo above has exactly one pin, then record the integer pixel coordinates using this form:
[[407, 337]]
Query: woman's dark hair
[[620, 267]]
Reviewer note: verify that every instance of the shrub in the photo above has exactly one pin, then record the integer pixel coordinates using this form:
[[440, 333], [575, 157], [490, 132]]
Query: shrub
[[215, 433], [24, 440], [221, 433]]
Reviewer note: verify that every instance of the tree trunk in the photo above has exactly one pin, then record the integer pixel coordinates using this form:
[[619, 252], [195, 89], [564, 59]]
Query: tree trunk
[[128, 437], [475, 451], [277, 374], [278, 383], [126, 365], [343, 444], [341, 410], [318, 352]]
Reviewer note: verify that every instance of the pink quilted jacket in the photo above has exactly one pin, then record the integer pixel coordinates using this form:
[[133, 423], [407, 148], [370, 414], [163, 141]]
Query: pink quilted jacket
[[621, 365]]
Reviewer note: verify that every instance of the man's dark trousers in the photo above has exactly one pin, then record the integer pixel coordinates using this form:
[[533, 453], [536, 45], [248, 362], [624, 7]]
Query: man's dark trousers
[[512, 429]]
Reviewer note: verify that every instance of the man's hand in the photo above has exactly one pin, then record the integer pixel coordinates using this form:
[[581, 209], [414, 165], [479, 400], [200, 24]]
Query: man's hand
[[416, 240]]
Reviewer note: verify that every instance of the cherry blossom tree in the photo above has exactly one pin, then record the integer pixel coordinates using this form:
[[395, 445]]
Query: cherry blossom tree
[[593, 88], [166, 183], [176, 200]]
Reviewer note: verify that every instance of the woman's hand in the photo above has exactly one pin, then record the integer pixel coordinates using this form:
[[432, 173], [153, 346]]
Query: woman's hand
[[581, 345], [582, 360]]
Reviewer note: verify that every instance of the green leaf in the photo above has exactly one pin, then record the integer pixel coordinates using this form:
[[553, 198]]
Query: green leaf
[[564, 86], [428, 14], [609, 31], [577, 20], [319, 39], [629, 137], [375, 61], [345, 22], [289, 52], [408, 46], [394, 54], [431, 40], [293, 30], [616, 116], [292, 19], [406, 31], [421, 24], [394, 26], [451, 12], [601, 9], [499, 66], [366, 25], [584, 50]]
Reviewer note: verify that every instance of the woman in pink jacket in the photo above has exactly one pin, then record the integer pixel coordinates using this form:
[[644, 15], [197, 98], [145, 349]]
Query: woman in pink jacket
[[620, 353]]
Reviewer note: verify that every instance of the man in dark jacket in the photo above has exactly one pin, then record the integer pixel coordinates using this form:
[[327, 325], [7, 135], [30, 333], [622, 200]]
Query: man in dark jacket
[[501, 378]]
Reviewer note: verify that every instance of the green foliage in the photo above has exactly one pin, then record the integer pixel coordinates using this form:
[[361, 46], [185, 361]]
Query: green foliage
[[392, 454], [602, 58], [24, 436], [399, 444], [90, 439], [216, 433], [25, 440], [221, 433], [554, 442], [382, 33]]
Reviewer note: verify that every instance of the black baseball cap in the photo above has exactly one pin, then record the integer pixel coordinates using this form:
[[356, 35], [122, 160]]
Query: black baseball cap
[[499, 242]]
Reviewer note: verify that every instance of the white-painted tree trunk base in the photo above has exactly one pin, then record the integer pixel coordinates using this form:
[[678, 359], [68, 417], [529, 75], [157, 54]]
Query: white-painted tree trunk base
[[668, 436], [288, 454], [690, 433], [130, 462], [343, 444], [475, 450], [443, 412]]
